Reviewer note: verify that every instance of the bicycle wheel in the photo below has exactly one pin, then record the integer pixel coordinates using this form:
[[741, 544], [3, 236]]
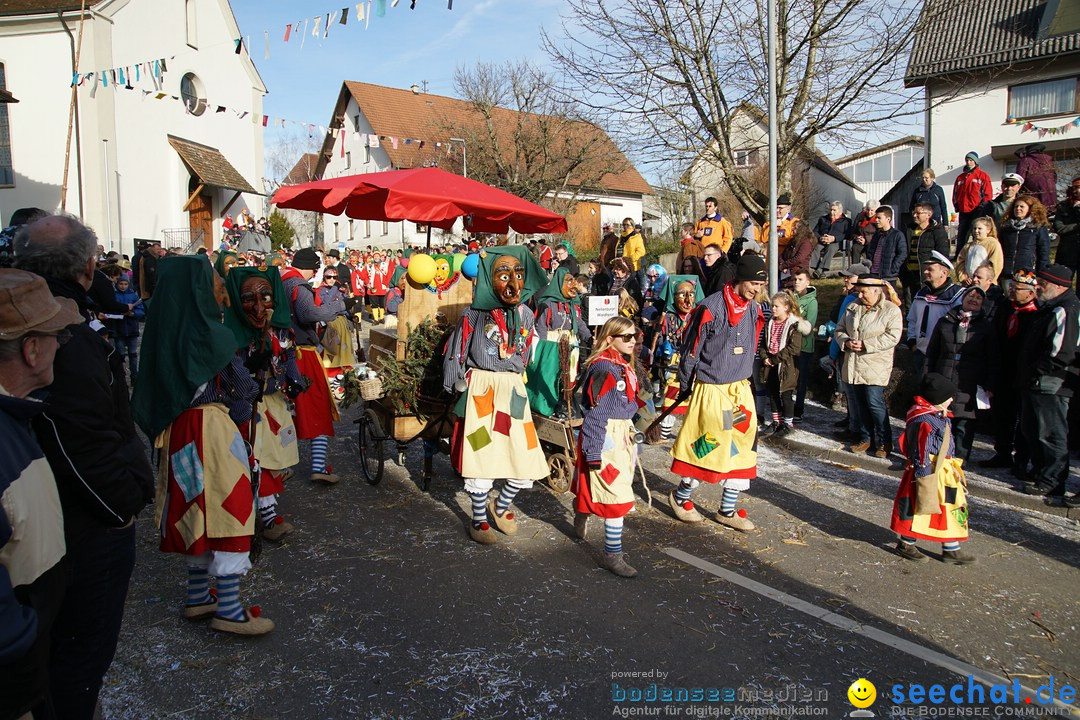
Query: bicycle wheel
[[371, 440]]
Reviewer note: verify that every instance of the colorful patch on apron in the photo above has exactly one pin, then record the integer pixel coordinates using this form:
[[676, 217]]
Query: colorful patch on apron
[[705, 445]]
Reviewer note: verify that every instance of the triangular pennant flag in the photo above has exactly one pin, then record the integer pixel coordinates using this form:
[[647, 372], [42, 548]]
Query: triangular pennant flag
[[220, 108], [264, 119], [393, 3], [380, 8], [344, 16], [330, 18], [373, 141], [74, 79], [367, 19], [288, 32], [303, 35], [239, 44], [317, 20], [359, 11], [160, 95], [266, 35], [93, 88], [137, 67], [450, 4]]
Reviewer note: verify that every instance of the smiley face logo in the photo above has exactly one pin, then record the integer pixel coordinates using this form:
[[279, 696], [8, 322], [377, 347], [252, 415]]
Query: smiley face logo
[[862, 693]]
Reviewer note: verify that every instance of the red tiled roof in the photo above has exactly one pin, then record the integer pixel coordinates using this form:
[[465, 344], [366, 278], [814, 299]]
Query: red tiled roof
[[404, 114], [303, 171]]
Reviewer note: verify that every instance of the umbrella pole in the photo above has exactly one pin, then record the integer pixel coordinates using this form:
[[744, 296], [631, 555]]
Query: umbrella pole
[[429, 237]]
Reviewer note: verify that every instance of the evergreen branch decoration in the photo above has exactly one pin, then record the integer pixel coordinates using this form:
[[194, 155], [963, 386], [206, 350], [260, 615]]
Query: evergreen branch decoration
[[403, 380]]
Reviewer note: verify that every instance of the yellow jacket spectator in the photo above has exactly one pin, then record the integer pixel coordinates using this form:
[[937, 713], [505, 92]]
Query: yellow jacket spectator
[[713, 229], [630, 246], [785, 227]]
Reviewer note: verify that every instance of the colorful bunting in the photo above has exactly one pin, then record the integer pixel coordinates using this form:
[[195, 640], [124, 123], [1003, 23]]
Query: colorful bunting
[[1044, 131]]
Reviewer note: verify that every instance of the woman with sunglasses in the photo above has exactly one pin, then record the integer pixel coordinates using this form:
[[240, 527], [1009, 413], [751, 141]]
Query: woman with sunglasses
[[607, 449]]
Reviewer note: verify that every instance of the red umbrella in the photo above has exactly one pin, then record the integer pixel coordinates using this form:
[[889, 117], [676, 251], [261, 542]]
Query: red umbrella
[[423, 195]]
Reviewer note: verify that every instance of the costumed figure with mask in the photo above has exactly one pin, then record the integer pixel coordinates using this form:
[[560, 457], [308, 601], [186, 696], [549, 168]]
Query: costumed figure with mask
[[193, 395], [494, 436], [558, 320], [316, 411], [717, 442], [607, 448], [681, 296], [259, 318], [226, 261], [395, 296]]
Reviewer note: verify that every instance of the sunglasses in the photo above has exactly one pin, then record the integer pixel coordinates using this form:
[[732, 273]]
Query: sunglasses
[[61, 337], [329, 277], [626, 337]]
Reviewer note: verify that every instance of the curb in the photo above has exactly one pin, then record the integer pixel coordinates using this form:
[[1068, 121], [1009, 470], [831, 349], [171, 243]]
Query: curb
[[976, 489]]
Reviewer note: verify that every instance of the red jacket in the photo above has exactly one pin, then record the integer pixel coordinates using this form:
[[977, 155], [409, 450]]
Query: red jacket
[[971, 189], [374, 279]]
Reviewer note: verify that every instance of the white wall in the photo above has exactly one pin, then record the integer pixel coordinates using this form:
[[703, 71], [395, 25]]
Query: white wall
[[875, 190], [146, 185]]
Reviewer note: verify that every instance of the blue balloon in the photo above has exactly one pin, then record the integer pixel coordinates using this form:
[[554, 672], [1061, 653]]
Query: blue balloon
[[470, 266]]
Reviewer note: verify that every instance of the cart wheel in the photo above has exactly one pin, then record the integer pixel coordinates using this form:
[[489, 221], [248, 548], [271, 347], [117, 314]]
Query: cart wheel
[[371, 447], [560, 469]]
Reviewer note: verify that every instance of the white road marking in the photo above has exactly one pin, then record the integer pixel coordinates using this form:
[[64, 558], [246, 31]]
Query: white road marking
[[905, 646]]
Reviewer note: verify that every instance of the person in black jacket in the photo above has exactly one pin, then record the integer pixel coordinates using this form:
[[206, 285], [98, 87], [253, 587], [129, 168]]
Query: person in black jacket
[[100, 465], [887, 249], [1067, 227], [963, 349], [832, 232], [1025, 236], [924, 236], [1048, 378], [930, 193]]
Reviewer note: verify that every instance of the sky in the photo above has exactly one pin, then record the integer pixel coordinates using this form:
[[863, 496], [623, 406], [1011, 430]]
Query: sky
[[397, 50]]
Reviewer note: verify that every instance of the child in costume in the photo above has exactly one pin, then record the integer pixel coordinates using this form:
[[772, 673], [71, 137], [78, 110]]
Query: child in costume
[[558, 316], [494, 436], [681, 295], [259, 318], [717, 442], [193, 394], [779, 355], [395, 297], [931, 502], [607, 449]]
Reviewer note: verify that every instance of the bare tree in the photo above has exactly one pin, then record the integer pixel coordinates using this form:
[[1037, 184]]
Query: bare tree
[[522, 136], [290, 160], [675, 72]]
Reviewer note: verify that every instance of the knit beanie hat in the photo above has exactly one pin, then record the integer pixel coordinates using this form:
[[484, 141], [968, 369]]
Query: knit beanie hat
[[972, 156], [1057, 274], [306, 259], [750, 268], [936, 388]]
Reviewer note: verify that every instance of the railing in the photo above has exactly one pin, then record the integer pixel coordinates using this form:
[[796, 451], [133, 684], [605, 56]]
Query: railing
[[186, 239]]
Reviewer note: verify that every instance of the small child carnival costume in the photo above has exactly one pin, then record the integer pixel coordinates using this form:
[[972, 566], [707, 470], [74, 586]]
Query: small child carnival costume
[[558, 316], [607, 452], [193, 394], [718, 439], [494, 436], [931, 502], [682, 294], [258, 316]]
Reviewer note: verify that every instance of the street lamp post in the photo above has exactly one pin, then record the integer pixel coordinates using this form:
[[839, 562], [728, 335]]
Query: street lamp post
[[464, 156]]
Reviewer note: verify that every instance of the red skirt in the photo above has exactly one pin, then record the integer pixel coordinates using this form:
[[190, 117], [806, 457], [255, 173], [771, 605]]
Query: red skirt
[[315, 408], [584, 503]]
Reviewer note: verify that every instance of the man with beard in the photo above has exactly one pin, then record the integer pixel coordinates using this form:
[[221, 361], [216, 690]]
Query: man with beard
[[494, 436], [558, 318], [718, 440]]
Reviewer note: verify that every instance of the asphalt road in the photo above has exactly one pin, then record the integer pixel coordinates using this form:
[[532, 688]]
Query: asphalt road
[[385, 608]]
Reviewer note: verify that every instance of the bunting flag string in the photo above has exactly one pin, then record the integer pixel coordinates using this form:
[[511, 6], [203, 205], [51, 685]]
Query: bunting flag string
[[371, 140], [1044, 131]]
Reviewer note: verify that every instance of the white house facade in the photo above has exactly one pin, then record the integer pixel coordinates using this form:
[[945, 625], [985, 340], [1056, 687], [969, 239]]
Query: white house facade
[[142, 165], [997, 81], [876, 170]]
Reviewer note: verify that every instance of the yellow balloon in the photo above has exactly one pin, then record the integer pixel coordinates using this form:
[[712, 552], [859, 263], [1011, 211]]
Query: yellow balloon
[[862, 693], [421, 269]]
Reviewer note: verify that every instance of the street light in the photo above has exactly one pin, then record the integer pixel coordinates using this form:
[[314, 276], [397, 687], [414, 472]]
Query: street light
[[464, 156]]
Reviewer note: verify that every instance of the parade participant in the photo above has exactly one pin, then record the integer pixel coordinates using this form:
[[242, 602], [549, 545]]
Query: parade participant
[[226, 261], [558, 316], [373, 281], [395, 296], [785, 226], [690, 250], [494, 436], [193, 395], [315, 409], [718, 440], [682, 294], [259, 319], [931, 502], [779, 355], [655, 282], [607, 450], [338, 340], [713, 228]]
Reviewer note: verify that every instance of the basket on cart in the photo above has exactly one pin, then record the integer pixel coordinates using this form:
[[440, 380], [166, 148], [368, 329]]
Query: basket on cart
[[371, 389]]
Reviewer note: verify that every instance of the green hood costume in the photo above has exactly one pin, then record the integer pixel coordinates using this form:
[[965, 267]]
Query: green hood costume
[[398, 272], [219, 264], [553, 291], [235, 319], [184, 343], [484, 297], [673, 282]]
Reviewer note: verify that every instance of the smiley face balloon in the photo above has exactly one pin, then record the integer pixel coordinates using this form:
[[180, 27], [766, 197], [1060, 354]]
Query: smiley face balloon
[[442, 271], [862, 693]]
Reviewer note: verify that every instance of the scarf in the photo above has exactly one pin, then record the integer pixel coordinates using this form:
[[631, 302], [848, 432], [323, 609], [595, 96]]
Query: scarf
[[736, 305], [1012, 325], [1020, 223], [922, 407], [184, 346], [614, 356]]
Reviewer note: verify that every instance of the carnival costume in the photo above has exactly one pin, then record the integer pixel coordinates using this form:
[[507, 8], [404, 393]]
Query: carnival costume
[[558, 317], [316, 411], [373, 282], [268, 353], [494, 436], [607, 453], [338, 339], [670, 336], [394, 298], [931, 502], [717, 442], [192, 395]]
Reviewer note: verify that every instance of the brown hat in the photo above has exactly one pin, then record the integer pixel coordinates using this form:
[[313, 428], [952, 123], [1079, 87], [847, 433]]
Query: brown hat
[[27, 305]]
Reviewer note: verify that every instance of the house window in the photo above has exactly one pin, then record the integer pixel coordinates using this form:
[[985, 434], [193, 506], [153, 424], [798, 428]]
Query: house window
[[367, 228], [7, 171], [1052, 97], [901, 163], [348, 160], [190, 24], [883, 169], [385, 228], [351, 228], [367, 154], [864, 171], [356, 122], [744, 158], [193, 94]]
